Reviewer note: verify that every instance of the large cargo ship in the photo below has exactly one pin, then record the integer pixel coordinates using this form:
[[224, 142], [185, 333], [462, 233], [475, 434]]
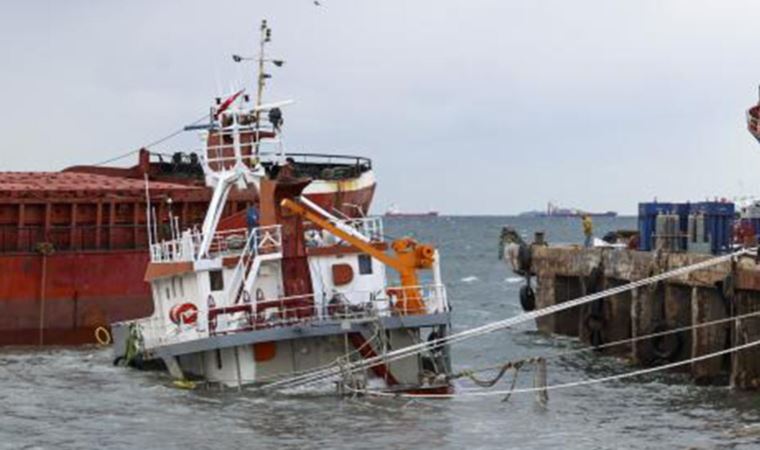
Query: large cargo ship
[[553, 210], [74, 244], [394, 211]]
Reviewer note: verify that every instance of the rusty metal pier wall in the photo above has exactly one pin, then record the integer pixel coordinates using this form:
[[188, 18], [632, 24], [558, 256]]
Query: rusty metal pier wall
[[725, 290]]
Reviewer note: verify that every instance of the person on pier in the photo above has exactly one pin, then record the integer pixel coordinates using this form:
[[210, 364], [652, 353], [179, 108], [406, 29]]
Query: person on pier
[[588, 231]]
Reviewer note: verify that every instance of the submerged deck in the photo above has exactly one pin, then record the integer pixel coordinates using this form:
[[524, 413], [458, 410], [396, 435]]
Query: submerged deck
[[298, 330]]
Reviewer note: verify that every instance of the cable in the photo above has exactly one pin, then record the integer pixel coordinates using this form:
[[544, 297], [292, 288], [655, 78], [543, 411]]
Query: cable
[[494, 326], [633, 339], [586, 382], [151, 144]]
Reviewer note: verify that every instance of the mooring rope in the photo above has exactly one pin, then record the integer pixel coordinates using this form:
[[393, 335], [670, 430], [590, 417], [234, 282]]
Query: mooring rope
[[628, 340], [404, 352], [635, 373]]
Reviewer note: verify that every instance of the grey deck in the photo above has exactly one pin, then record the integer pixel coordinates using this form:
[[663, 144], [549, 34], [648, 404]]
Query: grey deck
[[310, 329]]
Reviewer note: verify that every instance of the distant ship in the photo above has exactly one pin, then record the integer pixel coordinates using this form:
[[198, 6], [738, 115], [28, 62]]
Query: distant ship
[[394, 211], [556, 211]]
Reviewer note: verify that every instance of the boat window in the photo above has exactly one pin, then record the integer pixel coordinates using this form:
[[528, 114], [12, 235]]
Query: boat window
[[174, 286], [182, 286], [365, 265], [216, 280]]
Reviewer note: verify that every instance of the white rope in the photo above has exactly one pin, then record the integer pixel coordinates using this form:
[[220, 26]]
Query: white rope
[[632, 339], [587, 382], [498, 325]]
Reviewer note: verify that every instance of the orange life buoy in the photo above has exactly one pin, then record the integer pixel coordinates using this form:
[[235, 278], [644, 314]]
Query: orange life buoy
[[184, 313]]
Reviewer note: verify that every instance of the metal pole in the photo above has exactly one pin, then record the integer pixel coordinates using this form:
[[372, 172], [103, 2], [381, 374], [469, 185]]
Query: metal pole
[[260, 80]]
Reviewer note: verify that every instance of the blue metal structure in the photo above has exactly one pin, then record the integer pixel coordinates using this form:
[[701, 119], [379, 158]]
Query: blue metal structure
[[719, 222]]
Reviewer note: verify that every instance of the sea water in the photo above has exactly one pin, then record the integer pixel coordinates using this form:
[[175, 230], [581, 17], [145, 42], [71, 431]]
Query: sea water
[[74, 398]]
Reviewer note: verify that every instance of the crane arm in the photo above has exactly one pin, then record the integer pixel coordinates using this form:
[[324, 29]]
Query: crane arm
[[409, 257], [318, 220]]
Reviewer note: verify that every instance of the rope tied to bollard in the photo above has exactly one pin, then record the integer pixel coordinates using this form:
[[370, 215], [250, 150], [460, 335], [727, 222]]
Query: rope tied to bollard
[[332, 370]]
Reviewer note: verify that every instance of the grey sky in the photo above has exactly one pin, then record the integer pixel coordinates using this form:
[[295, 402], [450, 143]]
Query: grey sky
[[465, 106]]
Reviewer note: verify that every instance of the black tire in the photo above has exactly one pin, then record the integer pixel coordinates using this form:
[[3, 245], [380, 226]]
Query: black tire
[[524, 258], [594, 322], [668, 346], [527, 298]]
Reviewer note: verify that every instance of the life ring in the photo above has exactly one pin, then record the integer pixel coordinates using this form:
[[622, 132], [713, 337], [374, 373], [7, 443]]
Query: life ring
[[102, 336], [184, 313], [527, 298]]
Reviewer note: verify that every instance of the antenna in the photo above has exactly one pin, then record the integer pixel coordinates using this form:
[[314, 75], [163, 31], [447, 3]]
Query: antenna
[[265, 36]]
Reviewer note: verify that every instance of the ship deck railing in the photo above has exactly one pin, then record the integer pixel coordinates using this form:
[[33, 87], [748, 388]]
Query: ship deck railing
[[298, 311], [371, 228], [226, 243], [270, 154], [65, 238]]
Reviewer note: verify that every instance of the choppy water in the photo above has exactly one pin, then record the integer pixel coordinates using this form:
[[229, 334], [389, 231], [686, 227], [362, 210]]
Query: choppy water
[[74, 398]]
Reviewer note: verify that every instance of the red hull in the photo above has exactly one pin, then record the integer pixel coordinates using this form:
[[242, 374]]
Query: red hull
[[61, 298], [76, 293]]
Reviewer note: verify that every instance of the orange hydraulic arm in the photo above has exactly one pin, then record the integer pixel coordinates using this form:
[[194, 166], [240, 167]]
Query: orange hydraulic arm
[[410, 256]]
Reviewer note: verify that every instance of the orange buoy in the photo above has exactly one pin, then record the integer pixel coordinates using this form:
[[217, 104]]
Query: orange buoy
[[184, 313]]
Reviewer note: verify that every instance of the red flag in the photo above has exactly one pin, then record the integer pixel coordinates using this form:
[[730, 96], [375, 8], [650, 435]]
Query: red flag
[[226, 104]]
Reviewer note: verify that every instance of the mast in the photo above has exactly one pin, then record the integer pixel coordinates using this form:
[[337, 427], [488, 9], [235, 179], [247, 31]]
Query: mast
[[264, 37]]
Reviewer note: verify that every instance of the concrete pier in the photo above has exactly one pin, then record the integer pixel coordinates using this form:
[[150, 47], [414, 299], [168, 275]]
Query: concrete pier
[[722, 291]]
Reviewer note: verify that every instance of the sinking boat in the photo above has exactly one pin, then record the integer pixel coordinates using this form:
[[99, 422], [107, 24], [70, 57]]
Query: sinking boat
[[295, 289]]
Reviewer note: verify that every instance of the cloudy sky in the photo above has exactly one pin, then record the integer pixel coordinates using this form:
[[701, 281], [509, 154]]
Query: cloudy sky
[[468, 107]]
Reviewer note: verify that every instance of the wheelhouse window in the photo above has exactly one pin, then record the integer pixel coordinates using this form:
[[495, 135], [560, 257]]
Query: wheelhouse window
[[365, 265], [216, 280]]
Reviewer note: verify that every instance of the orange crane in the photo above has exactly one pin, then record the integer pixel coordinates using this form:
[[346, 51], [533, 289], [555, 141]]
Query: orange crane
[[409, 257]]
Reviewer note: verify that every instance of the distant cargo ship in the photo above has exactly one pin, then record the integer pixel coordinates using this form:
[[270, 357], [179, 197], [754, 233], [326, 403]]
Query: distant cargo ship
[[556, 211], [394, 211]]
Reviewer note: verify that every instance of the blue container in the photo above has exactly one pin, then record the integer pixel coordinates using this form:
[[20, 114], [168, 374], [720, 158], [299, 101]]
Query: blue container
[[719, 222], [648, 213]]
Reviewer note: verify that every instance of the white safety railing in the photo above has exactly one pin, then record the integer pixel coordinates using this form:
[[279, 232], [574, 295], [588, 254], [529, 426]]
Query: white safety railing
[[299, 310], [369, 227], [224, 243], [252, 150], [303, 309]]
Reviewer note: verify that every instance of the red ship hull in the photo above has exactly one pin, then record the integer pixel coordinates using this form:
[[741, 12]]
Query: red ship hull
[[60, 299], [92, 273], [64, 302]]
